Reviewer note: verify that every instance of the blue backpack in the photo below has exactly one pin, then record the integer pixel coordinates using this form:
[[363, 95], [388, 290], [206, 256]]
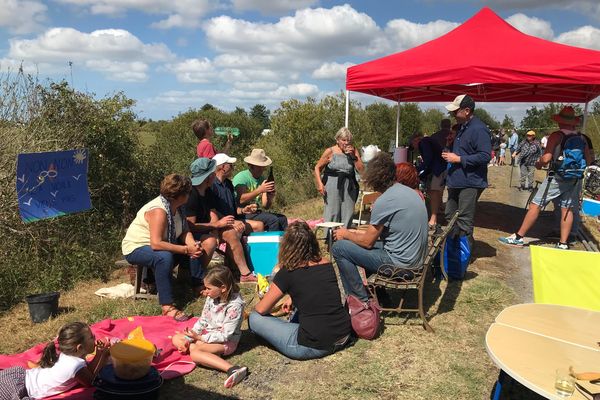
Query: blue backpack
[[569, 159]]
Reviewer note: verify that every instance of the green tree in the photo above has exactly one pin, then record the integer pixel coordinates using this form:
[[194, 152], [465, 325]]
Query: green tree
[[431, 120], [382, 120], [508, 123], [487, 118], [262, 114]]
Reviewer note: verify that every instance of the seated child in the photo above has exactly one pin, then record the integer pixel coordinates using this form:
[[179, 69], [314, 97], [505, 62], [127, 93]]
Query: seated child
[[218, 330], [57, 373]]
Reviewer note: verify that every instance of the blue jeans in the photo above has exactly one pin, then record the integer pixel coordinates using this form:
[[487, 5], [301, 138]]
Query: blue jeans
[[348, 255], [196, 269], [283, 336], [162, 262]]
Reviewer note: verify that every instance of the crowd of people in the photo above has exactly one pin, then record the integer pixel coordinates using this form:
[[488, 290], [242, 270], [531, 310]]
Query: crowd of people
[[193, 216]]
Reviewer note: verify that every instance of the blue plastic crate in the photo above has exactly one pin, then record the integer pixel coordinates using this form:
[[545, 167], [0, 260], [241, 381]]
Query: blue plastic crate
[[263, 248]]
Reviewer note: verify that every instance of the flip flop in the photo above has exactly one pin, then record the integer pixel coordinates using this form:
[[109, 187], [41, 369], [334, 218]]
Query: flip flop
[[236, 377], [178, 316]]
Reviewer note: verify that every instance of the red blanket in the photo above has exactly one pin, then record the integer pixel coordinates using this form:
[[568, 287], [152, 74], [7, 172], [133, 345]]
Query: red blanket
[[159, 330]]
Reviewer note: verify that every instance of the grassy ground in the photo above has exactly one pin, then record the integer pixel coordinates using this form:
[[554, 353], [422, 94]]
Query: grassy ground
[[405, 362]]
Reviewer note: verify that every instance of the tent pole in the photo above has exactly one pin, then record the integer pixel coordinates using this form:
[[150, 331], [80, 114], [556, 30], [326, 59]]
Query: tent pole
[[585, 115], [347, 108], [397, 122]]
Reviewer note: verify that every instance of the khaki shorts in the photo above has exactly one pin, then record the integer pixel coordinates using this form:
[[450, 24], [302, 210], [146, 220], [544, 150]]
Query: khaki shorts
[[437, 182]]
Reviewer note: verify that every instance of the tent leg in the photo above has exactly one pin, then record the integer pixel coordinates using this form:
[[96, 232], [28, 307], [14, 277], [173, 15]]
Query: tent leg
[[347, 108], [585, 115], [397, 122]]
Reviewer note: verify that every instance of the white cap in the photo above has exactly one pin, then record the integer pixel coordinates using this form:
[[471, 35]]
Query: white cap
[[461, 101], [223, 158]]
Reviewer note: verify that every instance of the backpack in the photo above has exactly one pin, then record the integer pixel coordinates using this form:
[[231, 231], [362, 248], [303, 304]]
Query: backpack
[[568, 160]]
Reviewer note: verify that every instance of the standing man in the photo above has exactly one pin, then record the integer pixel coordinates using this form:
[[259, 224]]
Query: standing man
[[529, 151], [252, 188], [467, 173], [513, 142], [564, 178]]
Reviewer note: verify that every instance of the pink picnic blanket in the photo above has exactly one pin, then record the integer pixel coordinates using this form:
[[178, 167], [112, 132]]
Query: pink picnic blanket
[[159, 330]]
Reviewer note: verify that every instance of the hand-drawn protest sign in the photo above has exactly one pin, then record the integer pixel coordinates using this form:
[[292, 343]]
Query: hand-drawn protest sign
[[52, 184]]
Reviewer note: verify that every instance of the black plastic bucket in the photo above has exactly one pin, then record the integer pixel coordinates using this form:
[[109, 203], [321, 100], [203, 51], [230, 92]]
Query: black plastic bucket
[[42, 306]]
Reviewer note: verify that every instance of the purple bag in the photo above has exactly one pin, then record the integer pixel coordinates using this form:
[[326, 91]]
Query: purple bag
[[364, 317]]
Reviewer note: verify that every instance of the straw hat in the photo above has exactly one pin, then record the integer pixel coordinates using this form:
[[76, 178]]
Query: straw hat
[[258, 158], [530, 133], [567, 116]]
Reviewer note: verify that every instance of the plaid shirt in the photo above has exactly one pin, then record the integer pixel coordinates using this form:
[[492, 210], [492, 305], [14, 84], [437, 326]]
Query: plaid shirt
[[529, 152]]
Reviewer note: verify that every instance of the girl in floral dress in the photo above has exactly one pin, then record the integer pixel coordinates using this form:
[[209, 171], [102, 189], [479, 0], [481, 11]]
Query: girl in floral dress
[[218, 330]]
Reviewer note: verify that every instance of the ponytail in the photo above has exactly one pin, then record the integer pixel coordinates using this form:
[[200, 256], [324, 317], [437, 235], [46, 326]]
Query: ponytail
[[49, 356]]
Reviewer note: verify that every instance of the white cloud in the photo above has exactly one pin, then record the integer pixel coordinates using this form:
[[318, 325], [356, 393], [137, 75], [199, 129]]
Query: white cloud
[[531, 26], [238, 97], [120, 71], [180, 13], [310, 33], [272, 7], [114, 52], [402, 34], [331, 71], [255, 85], [586, 36], [193, 70], [22, 16]]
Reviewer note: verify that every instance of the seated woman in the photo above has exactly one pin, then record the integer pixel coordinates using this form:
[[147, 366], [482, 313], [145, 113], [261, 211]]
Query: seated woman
[[310, 280], [406, 174], [160, 231]]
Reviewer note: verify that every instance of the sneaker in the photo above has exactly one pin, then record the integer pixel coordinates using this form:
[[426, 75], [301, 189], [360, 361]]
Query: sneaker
[[235, 376], [562, 246], [512, 240], [250, 278]]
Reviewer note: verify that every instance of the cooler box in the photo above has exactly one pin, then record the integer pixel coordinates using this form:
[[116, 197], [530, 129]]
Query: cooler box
[[591, 207], [263, 248]]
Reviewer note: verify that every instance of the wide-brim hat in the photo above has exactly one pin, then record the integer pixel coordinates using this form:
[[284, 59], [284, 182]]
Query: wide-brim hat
[[567, 116], [201, 169], [258, 158]]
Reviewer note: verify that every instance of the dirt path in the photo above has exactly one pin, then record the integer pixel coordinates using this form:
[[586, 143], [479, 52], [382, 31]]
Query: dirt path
[[500, 212]]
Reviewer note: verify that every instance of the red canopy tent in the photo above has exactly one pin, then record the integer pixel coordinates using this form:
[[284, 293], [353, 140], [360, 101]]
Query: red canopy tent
[[486, 58]]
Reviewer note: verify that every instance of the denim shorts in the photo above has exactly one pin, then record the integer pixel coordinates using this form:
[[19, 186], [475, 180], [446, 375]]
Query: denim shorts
[[565, 190]]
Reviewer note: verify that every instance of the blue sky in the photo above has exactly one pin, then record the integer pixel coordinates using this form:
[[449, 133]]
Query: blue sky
[[173, 55]]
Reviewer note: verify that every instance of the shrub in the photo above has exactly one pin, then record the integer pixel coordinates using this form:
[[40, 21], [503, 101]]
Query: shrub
[[54, 254]]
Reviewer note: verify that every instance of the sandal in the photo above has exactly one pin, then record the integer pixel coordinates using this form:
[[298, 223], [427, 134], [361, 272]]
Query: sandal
[[177, 315]]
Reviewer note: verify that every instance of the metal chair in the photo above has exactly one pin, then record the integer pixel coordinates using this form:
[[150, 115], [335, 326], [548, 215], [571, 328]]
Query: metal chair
[[393, 277]]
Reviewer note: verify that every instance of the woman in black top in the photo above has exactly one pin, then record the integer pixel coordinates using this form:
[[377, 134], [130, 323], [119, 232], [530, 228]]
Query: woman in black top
[[310, 280]]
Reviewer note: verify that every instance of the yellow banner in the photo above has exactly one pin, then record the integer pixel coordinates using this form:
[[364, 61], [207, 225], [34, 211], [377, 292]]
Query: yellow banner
[[566, 277]]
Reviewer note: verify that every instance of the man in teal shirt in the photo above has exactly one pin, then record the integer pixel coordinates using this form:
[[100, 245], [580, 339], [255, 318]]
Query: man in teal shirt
[[252, 188]]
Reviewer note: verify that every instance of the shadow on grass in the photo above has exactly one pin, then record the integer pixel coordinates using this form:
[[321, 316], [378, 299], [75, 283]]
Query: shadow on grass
[[431, 293], [178, 389]]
